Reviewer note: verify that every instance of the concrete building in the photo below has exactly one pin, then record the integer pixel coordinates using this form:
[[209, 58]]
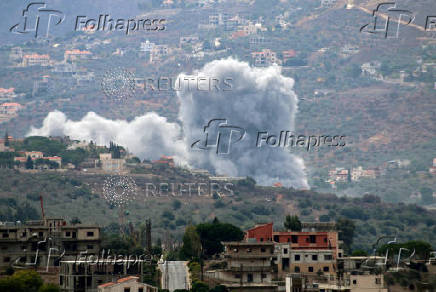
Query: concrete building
[[249, 266], [264, 58], [30, 242], [90, 275], [110, 164], [10, 108], [7, 93], [36, 60], [73, 55]]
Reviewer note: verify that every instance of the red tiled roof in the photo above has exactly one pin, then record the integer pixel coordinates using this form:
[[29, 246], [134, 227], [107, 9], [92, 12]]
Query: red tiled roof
[[11, 104], [77, 52], [119, 281], [36, 56], [4, 90]]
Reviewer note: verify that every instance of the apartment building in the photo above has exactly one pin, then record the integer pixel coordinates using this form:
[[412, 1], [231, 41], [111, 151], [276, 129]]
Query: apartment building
[[249, 266], [74, 55], [36, 60], [91, 273], [43, 242], [10, 108], [314, 236], [264, 58]]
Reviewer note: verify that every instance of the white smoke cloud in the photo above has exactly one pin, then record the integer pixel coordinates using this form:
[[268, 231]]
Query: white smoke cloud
[[148, 136], [261, 99]]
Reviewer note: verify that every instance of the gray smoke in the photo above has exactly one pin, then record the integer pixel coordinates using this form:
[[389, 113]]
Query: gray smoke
[[148, 136], [261, 99]]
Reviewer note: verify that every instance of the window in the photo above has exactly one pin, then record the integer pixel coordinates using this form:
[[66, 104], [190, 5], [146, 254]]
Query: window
[[91, 233], [263, 276], [289, 239], [340, 255], [127, 289], [24, 234], [140, 289], [261, 239], [40, 234], [276, 238], [68, 234], [354, 282], [310, 269], [328, 257], [297, 269], [325, 239], [6, 259], [5, 235], [285, 251], [312, 238], [238, 276], [90, 246], [249, 278], [262, 249], [314, 257], [378, 281], [294, 239], [297, 257], [325, 269]]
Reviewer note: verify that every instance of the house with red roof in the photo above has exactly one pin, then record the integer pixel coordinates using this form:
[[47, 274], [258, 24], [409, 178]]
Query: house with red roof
[[9, 108], [36, 60], [7, 92], [127, 284], [73, 55]]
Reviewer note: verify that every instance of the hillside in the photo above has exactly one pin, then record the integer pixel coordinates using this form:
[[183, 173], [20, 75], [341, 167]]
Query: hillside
[[71, 195]]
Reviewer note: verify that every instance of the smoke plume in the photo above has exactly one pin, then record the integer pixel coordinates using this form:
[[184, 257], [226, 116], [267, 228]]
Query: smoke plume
[[258, 100]]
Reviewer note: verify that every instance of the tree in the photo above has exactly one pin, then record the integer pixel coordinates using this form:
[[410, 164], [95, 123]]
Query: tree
[[212, 234], [427, 195], [346, 229], [21, 281], [191, 248], [292, 223], [49, 288], [29, 163], [176, 204]]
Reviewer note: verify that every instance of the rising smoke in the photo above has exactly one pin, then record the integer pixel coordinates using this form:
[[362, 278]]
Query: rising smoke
[[148, 136], [261, 99]]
